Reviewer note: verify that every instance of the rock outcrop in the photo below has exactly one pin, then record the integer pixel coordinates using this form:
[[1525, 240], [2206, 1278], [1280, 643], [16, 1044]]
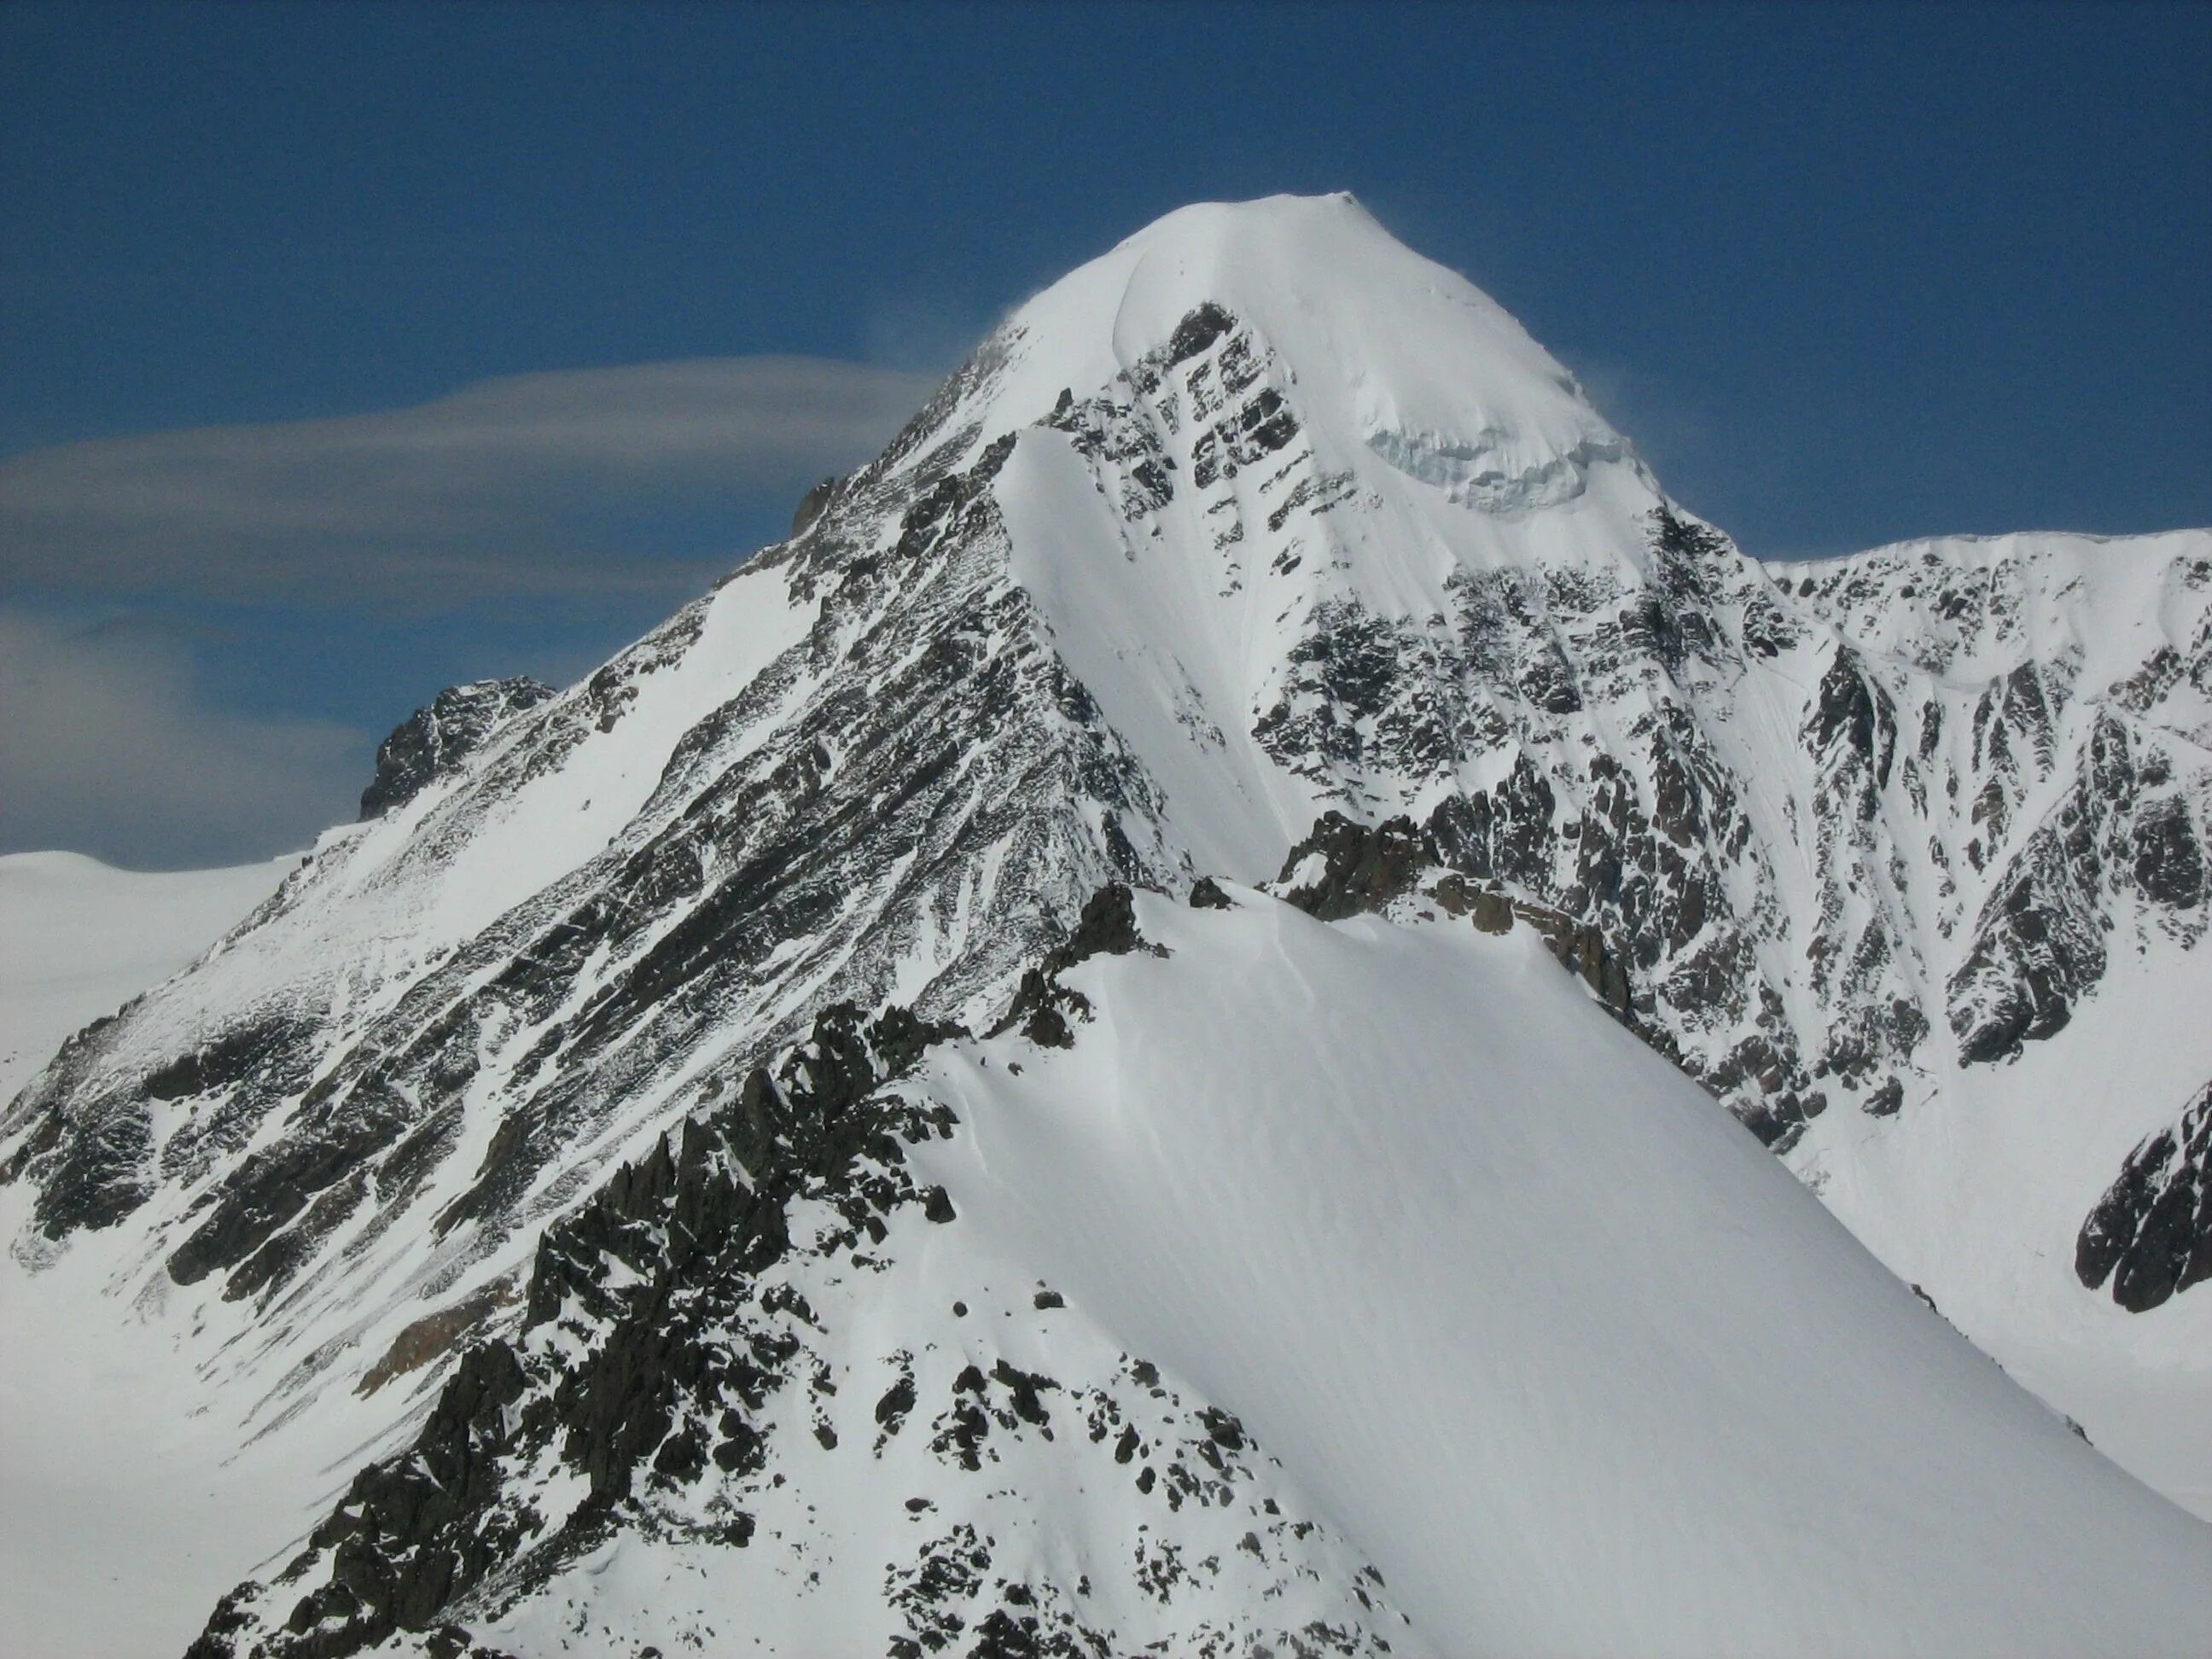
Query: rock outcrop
[[430, 742]]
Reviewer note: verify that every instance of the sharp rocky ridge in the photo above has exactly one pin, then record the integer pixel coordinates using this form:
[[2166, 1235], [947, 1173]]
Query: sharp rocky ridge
[[1258, 549], [435, 739]]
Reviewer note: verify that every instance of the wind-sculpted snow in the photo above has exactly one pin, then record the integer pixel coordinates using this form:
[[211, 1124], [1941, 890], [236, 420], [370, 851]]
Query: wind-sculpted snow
[[809, 1371], [1259, 522], [749, 1362]]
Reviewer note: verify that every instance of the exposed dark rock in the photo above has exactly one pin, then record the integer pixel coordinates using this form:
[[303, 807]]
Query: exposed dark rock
[[100, 1169], [1254, 429], [1490, 911], [2039, 942], [1206, 894], [2168, 849], [2151, 1233], [1343, 868], [433, 740], [898, 1399], [435, 1334], [1108, 927], [94, 1174], [693, 1223], [1338, 708], [229, 1059], [1041, 1005], [811, 505], [1197, 332]]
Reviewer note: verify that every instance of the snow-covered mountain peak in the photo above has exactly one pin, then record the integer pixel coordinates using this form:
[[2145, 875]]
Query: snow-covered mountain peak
[[1257, 536], [1390, 351]]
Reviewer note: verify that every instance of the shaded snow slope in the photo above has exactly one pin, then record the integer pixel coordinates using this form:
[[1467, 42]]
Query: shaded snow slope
[[129, 1499], [1349, 1284], [1979, 1203]]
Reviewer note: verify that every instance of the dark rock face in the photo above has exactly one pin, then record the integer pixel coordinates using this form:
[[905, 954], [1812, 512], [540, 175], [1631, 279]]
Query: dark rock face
[[430, 742], [1655, 836], [96, 1177], [1643, 848], [705, 1213], [1206, 894], [1346, 869], [1041, 1005], [1108, 927], [811, 504], [2120, 833], [2151, 1233], [434, 1335]]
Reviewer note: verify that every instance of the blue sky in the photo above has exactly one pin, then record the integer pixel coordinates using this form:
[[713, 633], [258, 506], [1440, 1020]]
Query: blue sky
[[1844, 273]]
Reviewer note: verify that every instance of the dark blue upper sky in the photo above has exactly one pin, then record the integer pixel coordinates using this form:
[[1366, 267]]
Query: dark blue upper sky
[[1844, 273]]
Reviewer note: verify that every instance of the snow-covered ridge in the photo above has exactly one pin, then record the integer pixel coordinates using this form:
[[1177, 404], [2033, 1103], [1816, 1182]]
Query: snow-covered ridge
[[975, 1394], [1257, 517], [79, 938]]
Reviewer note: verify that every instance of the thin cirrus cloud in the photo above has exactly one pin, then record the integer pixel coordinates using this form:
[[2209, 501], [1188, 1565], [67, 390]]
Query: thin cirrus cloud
[[109, 748], [511, 487], [570, 485]]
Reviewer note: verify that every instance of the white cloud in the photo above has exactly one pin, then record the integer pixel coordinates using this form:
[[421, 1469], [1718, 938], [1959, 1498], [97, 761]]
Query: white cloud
[[107, 748], [491, 491]]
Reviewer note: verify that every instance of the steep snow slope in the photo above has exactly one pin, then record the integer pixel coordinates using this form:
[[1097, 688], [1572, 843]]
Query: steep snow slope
[[1978, 1199], [1525, 1340], [1257, 515], [79, 938], [1533, 1322]]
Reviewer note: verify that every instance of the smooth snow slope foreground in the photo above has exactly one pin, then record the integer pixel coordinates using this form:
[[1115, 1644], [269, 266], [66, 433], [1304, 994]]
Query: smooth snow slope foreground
[[1530, 1320], [1346, 1289]]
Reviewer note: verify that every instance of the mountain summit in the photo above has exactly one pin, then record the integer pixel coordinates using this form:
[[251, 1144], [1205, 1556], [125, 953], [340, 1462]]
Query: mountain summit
[[1390, 350], [1004, 1083]]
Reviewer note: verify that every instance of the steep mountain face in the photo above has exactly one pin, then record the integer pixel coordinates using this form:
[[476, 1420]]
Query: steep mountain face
[[435, 739], [1258, 518], [753, 1348]]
